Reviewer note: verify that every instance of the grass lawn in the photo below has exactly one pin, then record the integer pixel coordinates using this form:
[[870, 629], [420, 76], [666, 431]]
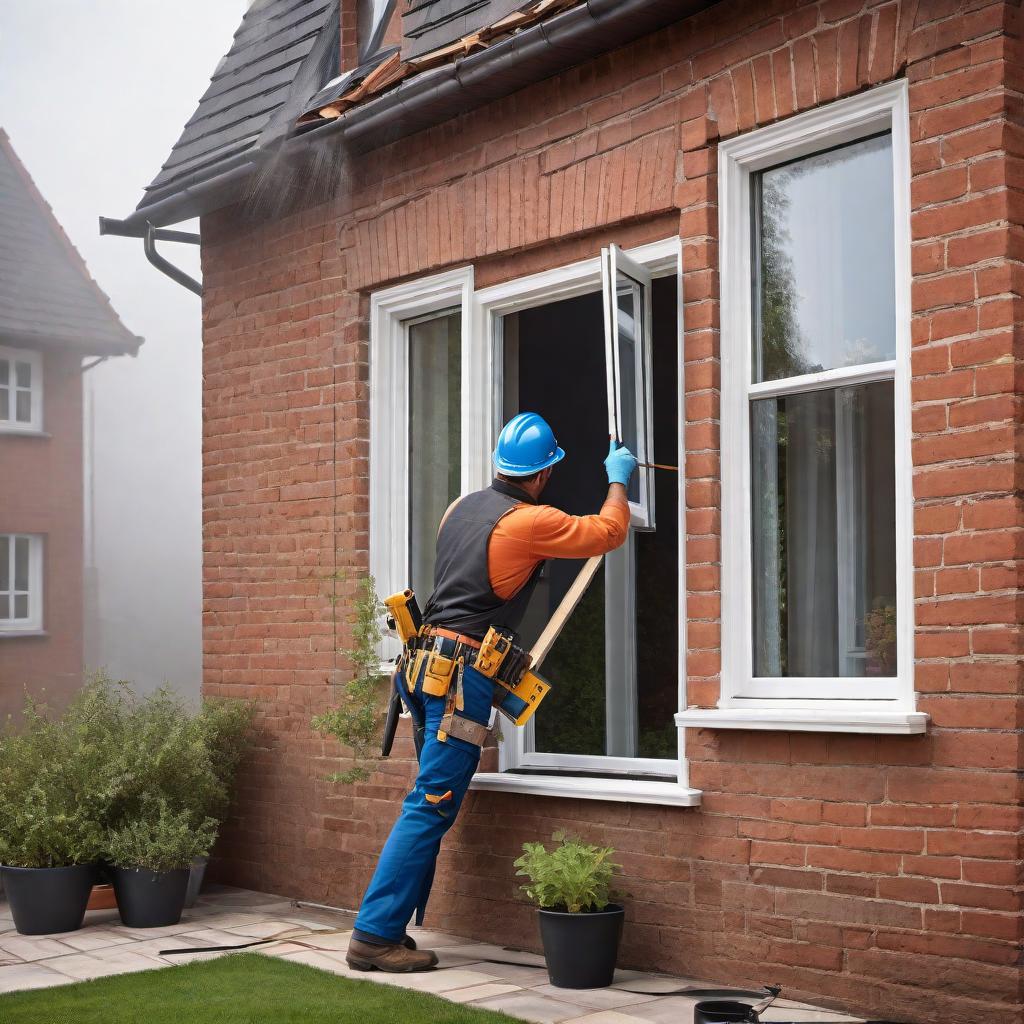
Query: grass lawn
[[245, 988]]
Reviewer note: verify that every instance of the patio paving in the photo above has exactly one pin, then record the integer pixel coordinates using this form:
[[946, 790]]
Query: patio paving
[[225, 916]]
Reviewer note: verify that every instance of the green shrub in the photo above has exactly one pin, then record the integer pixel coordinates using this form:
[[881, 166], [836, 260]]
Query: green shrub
[[356, 720], [160, 839], [226, 727], [60, 776], [575, 876]]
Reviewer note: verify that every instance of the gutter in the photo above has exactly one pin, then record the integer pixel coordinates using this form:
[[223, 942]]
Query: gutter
[[150, 235], [438, 95]]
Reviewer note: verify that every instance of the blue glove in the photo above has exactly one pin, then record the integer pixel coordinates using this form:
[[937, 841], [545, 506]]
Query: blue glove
[[620, 464]]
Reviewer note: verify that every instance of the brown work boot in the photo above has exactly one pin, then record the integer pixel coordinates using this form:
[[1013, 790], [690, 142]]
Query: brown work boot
[[396, 959]]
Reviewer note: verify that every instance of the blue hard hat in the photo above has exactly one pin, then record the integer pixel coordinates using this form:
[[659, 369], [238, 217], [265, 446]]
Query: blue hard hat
[[526, 445]]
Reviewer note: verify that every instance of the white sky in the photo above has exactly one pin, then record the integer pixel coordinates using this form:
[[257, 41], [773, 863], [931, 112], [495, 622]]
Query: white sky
[[93, 94]]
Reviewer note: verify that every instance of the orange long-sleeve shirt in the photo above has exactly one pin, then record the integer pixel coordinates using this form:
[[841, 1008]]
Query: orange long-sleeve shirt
[[529, 534]]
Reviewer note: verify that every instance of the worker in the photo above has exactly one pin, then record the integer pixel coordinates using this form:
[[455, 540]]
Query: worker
[[491, 547]]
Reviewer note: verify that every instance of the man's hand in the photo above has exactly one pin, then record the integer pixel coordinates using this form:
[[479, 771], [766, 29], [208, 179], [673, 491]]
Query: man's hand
[[620, 464]]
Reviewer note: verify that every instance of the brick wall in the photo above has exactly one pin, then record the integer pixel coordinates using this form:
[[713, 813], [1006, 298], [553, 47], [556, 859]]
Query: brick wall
[[879, 874], [42, 493]]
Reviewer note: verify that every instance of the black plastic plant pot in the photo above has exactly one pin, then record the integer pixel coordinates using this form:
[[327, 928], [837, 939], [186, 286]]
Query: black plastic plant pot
[[48, 900], [149, 899], [581, 949], [723, 1011]]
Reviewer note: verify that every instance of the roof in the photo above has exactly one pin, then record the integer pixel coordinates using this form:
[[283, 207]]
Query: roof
[[283, 51], [47, 296], [508, 44]]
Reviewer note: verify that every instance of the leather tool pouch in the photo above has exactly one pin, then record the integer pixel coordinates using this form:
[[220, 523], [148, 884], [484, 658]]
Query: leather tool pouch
[[438, 676]]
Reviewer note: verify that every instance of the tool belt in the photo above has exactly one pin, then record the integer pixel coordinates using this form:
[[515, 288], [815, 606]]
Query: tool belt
[[442, 656]]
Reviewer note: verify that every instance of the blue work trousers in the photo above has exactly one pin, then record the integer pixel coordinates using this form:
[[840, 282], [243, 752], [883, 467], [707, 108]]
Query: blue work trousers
[[405, 871]]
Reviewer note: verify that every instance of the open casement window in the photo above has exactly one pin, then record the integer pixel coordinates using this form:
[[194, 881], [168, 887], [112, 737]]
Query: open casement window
[[816, 550], [626, 293], [606, 730], [21, 391], [21, 583]]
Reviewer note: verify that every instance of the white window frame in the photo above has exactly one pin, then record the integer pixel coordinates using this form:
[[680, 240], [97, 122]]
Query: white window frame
[[34, 622], [391, 311], [35, 360], [662, 258], [808, 703]]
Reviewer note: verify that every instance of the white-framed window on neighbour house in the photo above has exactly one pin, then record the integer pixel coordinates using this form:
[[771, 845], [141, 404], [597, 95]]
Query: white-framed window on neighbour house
[[817, 605], [21, 390], [21, 583]]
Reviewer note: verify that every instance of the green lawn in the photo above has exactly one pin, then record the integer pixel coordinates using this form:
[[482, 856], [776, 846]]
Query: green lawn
[[245, 988]]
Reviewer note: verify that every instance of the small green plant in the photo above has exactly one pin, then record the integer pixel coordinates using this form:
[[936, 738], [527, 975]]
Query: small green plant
[[575, 876], [160, 839], [226, 730], [356, 719]]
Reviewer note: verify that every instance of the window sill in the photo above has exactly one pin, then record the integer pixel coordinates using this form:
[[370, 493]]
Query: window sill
[[14, 432], [17, 634], [622, 790], [895, 723]]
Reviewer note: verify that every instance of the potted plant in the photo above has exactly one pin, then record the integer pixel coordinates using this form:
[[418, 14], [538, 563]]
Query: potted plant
[[56, 785], [225, 726], [149, 859], [580, 927]]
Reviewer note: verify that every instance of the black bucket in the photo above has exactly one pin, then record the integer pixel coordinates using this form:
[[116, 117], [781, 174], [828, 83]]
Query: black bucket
[[45, 901], [581, 949], [724, 1011], [150, 899]]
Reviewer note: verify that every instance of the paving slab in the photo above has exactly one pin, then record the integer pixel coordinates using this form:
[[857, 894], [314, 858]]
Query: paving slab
[[534, 1008], [19, 977], [598, 998]]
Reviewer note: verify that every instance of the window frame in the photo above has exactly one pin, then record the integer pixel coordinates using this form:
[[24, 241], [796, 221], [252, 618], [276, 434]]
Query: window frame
[[34, 622], [882, 109], [662, 258], [391, 312], [35, 359]]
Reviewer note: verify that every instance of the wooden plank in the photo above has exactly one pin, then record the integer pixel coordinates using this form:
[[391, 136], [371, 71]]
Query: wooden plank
[[568, 605]]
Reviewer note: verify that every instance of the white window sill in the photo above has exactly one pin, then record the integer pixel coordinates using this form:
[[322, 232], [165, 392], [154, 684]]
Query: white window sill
[[18, 432], [623, 790], [17, 634], [896, 723]]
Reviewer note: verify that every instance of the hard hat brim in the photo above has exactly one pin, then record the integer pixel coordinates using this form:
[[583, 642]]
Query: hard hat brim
[[510, 469]]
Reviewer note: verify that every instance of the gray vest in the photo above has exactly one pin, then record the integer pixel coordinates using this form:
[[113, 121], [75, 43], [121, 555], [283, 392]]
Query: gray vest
[[463, 600]]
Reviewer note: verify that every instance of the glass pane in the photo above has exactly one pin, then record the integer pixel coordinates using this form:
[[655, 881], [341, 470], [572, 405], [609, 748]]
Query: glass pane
[[5, 373], [435, 438], [21, 606], [826, 276], [21, 563], [23, 406], [824, 537], [5, 606], [23, 374], [5, 403], [553, 365], [5, 563]]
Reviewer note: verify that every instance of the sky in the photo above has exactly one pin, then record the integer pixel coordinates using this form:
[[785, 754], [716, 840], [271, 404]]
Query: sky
[[93, 94]]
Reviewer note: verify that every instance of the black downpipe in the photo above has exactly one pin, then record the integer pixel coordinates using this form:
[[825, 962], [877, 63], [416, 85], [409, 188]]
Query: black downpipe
[[164, 265], [150, 236]]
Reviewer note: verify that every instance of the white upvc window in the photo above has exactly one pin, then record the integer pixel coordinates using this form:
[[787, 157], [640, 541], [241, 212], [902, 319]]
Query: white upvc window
[[607, 729], [21, 391], [421, 425], [447, 368], [817, 592], [21, 583]]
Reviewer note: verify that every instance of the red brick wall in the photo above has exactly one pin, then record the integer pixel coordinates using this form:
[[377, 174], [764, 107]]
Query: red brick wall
[[879, 874], [42, 493]]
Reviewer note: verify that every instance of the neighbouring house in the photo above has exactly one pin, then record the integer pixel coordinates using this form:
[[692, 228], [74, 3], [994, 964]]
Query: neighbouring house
[[783, 241], [52, 316]]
